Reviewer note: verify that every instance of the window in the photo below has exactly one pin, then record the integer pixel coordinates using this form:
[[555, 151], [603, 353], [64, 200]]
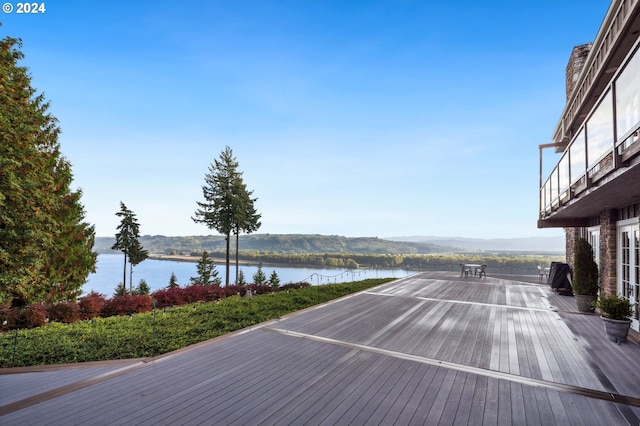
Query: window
[[578, 159], [600, 131], [628, 97], [629, 265]]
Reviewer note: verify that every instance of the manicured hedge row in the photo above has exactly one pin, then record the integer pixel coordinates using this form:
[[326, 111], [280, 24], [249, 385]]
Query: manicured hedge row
[[160, 330], [97, 305]]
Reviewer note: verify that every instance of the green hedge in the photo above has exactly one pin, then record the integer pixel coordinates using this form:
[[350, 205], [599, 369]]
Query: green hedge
[[160, 331]]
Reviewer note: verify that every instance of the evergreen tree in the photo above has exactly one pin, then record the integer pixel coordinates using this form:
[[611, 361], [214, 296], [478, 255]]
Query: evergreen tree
[[127, 240], [274, 280], [142, 288], [218, 211], [173, 281], [259, 278], [45, 245], [120, 290], [207, 272], [136, 255], [247, 218], [241, 280]]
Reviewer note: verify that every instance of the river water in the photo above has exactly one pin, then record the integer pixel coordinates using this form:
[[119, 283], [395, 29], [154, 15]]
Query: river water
[[157, 273]]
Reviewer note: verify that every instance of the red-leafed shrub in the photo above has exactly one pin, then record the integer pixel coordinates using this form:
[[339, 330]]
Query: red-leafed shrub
[[261, 288], [33, 316], [67, 312], [232, 290], [91, 305], [189, 294], [195, 293], [168, 297], [126, 305], [9, 318]]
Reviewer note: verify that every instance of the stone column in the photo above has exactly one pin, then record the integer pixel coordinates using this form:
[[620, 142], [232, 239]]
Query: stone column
[[572, 235], [608, 252]]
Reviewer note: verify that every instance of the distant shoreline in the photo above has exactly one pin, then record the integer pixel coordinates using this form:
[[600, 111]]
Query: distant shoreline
[[195, 259], [184, 258]]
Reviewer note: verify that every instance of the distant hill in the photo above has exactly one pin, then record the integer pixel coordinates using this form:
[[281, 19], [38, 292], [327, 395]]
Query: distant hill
[[278, 243], [531, 244]]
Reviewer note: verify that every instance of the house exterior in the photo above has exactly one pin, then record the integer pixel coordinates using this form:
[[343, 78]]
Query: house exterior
[[594, 189]]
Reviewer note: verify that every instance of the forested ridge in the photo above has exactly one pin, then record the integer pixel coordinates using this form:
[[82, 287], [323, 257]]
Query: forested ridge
[[277, 243], [341, 252]]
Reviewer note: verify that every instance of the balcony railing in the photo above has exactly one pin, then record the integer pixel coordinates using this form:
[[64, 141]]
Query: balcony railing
[[575, 173]]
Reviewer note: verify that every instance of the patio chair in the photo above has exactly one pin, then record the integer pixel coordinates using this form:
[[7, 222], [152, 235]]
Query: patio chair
[[464, 270], [541, 273], [482, 270]]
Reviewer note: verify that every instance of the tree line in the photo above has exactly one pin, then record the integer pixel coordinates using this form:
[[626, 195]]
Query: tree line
[[46, 246], [497, 263]]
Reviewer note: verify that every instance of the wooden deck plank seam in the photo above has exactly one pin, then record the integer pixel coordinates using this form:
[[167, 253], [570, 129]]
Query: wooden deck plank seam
[[560, 387], [45, 396], [463, 302]]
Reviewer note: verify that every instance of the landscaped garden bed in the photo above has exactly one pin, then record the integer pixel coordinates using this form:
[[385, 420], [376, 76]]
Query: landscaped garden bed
[[159, 330]]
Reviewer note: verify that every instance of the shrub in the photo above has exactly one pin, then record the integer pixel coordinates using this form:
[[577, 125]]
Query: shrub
[[614, 307], [168, 297], [66, 312], [155, 333], [262, 289], [294, 286], [9, 318], [91, 305], [127, 305], [231, 290], [33, 316], [585, 270]]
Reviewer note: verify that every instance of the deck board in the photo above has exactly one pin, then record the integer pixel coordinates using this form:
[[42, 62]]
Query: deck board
[[395, 354]]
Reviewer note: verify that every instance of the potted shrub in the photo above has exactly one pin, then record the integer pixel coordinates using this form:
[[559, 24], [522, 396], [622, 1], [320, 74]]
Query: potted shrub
[[615, 311], [585, 276]]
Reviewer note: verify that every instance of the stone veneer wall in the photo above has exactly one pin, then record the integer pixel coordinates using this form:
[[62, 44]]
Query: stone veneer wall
[[572, 235], [574, 67], [608, 249]]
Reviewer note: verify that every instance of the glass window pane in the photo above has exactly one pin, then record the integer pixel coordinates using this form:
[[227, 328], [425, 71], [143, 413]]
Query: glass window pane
[[628, 96], [578, 160], [600, 131]]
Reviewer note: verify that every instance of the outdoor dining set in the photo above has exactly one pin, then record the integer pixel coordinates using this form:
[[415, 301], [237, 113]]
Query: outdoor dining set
[[473, 269]]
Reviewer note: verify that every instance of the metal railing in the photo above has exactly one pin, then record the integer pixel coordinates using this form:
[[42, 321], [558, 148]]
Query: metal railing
[[563, 185]]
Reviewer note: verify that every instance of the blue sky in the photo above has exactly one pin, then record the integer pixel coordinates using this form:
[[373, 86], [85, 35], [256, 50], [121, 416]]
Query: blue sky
[[355, 118]]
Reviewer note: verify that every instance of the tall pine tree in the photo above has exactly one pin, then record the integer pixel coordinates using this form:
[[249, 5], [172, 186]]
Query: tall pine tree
[[247, 218], [127, 241], [218, 210], [45, 244], [227, 207]]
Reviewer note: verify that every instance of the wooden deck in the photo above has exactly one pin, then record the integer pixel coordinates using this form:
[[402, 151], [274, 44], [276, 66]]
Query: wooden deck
[[433, 348]]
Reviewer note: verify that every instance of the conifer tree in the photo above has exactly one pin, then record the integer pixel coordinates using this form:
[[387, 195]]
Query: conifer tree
[[142, 288], [274, 280], [241, 280], [136, 255], [207, 272], [127, 241], [120, 290], [173, 281], [46, 247], [247, 218], [259, 277], [227, 206]]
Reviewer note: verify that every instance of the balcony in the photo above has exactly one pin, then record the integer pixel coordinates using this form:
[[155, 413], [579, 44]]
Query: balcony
[[599, 130], [578, 189]]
